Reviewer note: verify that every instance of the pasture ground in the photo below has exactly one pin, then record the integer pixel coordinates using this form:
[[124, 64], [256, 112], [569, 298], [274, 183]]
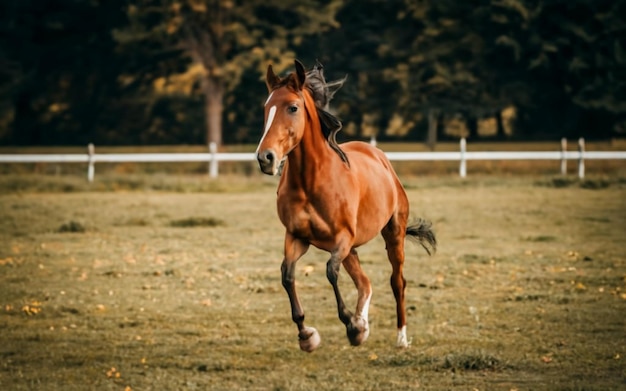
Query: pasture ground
[[164, 290]]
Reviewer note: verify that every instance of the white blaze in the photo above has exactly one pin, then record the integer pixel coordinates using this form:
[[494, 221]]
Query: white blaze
[[268, 124]]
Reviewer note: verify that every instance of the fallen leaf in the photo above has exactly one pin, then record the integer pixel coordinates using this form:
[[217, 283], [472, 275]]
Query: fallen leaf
[[546, 359], [31, 310]]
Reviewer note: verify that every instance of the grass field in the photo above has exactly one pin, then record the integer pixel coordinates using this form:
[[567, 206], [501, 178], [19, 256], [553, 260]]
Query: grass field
[[178, 288]]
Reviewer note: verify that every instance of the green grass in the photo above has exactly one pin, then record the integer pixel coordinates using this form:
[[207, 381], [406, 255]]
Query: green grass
[[527, 291]]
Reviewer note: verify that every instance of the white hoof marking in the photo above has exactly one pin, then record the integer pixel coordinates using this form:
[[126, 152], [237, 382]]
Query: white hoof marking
[[402, 341]]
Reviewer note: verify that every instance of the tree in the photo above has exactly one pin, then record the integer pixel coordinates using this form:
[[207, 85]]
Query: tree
[[559, 62], [576, 56], [221, 39], [150, 71], [56, 69], [364, 50], [462, 62]]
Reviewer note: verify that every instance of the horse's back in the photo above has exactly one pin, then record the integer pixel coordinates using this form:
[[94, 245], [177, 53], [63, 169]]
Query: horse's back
[[369, 161]]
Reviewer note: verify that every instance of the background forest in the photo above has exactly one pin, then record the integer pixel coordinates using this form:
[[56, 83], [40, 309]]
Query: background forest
[[153, 72]]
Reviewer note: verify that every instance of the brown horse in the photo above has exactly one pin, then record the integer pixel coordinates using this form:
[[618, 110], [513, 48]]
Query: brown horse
[[335, 198]]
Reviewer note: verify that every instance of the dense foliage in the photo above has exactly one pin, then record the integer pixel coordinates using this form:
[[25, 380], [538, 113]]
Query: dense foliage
[[191, 71]]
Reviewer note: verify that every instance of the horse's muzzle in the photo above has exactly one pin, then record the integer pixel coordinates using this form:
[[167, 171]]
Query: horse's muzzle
[[267, 161]]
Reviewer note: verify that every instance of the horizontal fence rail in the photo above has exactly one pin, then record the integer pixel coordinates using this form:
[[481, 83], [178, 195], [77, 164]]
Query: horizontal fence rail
[[213, 157]]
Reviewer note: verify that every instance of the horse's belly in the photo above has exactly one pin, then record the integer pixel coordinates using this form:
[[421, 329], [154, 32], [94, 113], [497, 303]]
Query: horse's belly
[[376, 208], [364, 235]]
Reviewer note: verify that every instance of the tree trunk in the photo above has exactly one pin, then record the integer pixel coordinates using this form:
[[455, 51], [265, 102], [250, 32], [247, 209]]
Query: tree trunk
[[25, 128], [431, 138], [500, 126], [213, 90], [472, 127]]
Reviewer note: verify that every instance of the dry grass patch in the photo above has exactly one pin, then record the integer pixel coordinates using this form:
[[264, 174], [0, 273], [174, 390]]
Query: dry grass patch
[[527, 291]]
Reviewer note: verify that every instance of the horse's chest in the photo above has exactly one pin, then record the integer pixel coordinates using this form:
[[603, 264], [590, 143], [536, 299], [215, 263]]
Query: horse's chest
[[303, 220]]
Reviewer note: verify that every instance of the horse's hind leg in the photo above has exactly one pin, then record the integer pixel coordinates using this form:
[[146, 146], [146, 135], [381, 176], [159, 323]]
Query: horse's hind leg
[[394, 233], [358, 327]]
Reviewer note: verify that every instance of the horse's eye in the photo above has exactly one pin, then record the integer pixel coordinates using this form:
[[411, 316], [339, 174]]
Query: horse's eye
[[292, 109]]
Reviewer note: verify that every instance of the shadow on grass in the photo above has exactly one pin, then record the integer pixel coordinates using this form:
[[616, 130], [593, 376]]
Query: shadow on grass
[[593, 183], [473, 361], [72, 227], [468, 360], [192, 222]]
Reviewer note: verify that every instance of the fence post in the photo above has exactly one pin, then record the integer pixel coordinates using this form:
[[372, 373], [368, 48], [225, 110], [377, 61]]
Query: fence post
[[563, 159], [213, 168], [581, 158], [463, 164], [90, 167]]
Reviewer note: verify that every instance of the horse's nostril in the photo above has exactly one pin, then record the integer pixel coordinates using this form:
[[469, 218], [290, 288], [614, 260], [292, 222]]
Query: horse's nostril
[[266, 157], [267, 160]]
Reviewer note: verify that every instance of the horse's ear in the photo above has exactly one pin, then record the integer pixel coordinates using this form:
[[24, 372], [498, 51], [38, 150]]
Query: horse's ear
[[300, 73], [271, 80]]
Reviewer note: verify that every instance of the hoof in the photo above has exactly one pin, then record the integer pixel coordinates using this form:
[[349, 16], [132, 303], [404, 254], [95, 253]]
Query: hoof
[[358, 330], [309, 339], [402, 343]]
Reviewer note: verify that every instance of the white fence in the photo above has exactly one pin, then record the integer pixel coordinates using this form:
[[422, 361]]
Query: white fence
[[213, 157]]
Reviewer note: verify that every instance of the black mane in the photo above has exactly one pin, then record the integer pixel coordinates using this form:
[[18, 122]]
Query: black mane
[[321, 90], [322, 93]]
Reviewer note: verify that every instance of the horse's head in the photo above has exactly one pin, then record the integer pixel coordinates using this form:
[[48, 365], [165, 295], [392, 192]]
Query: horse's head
[[285, 118], [290, 101]]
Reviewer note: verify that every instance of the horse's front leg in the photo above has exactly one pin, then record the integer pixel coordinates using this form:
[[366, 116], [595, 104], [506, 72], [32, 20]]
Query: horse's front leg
[[294, 249]]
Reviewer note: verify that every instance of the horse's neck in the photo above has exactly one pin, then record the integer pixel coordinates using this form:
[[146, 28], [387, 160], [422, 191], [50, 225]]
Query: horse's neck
[[309, 160]]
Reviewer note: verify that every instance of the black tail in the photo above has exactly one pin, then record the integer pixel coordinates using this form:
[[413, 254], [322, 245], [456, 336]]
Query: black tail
[[421, 232]]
